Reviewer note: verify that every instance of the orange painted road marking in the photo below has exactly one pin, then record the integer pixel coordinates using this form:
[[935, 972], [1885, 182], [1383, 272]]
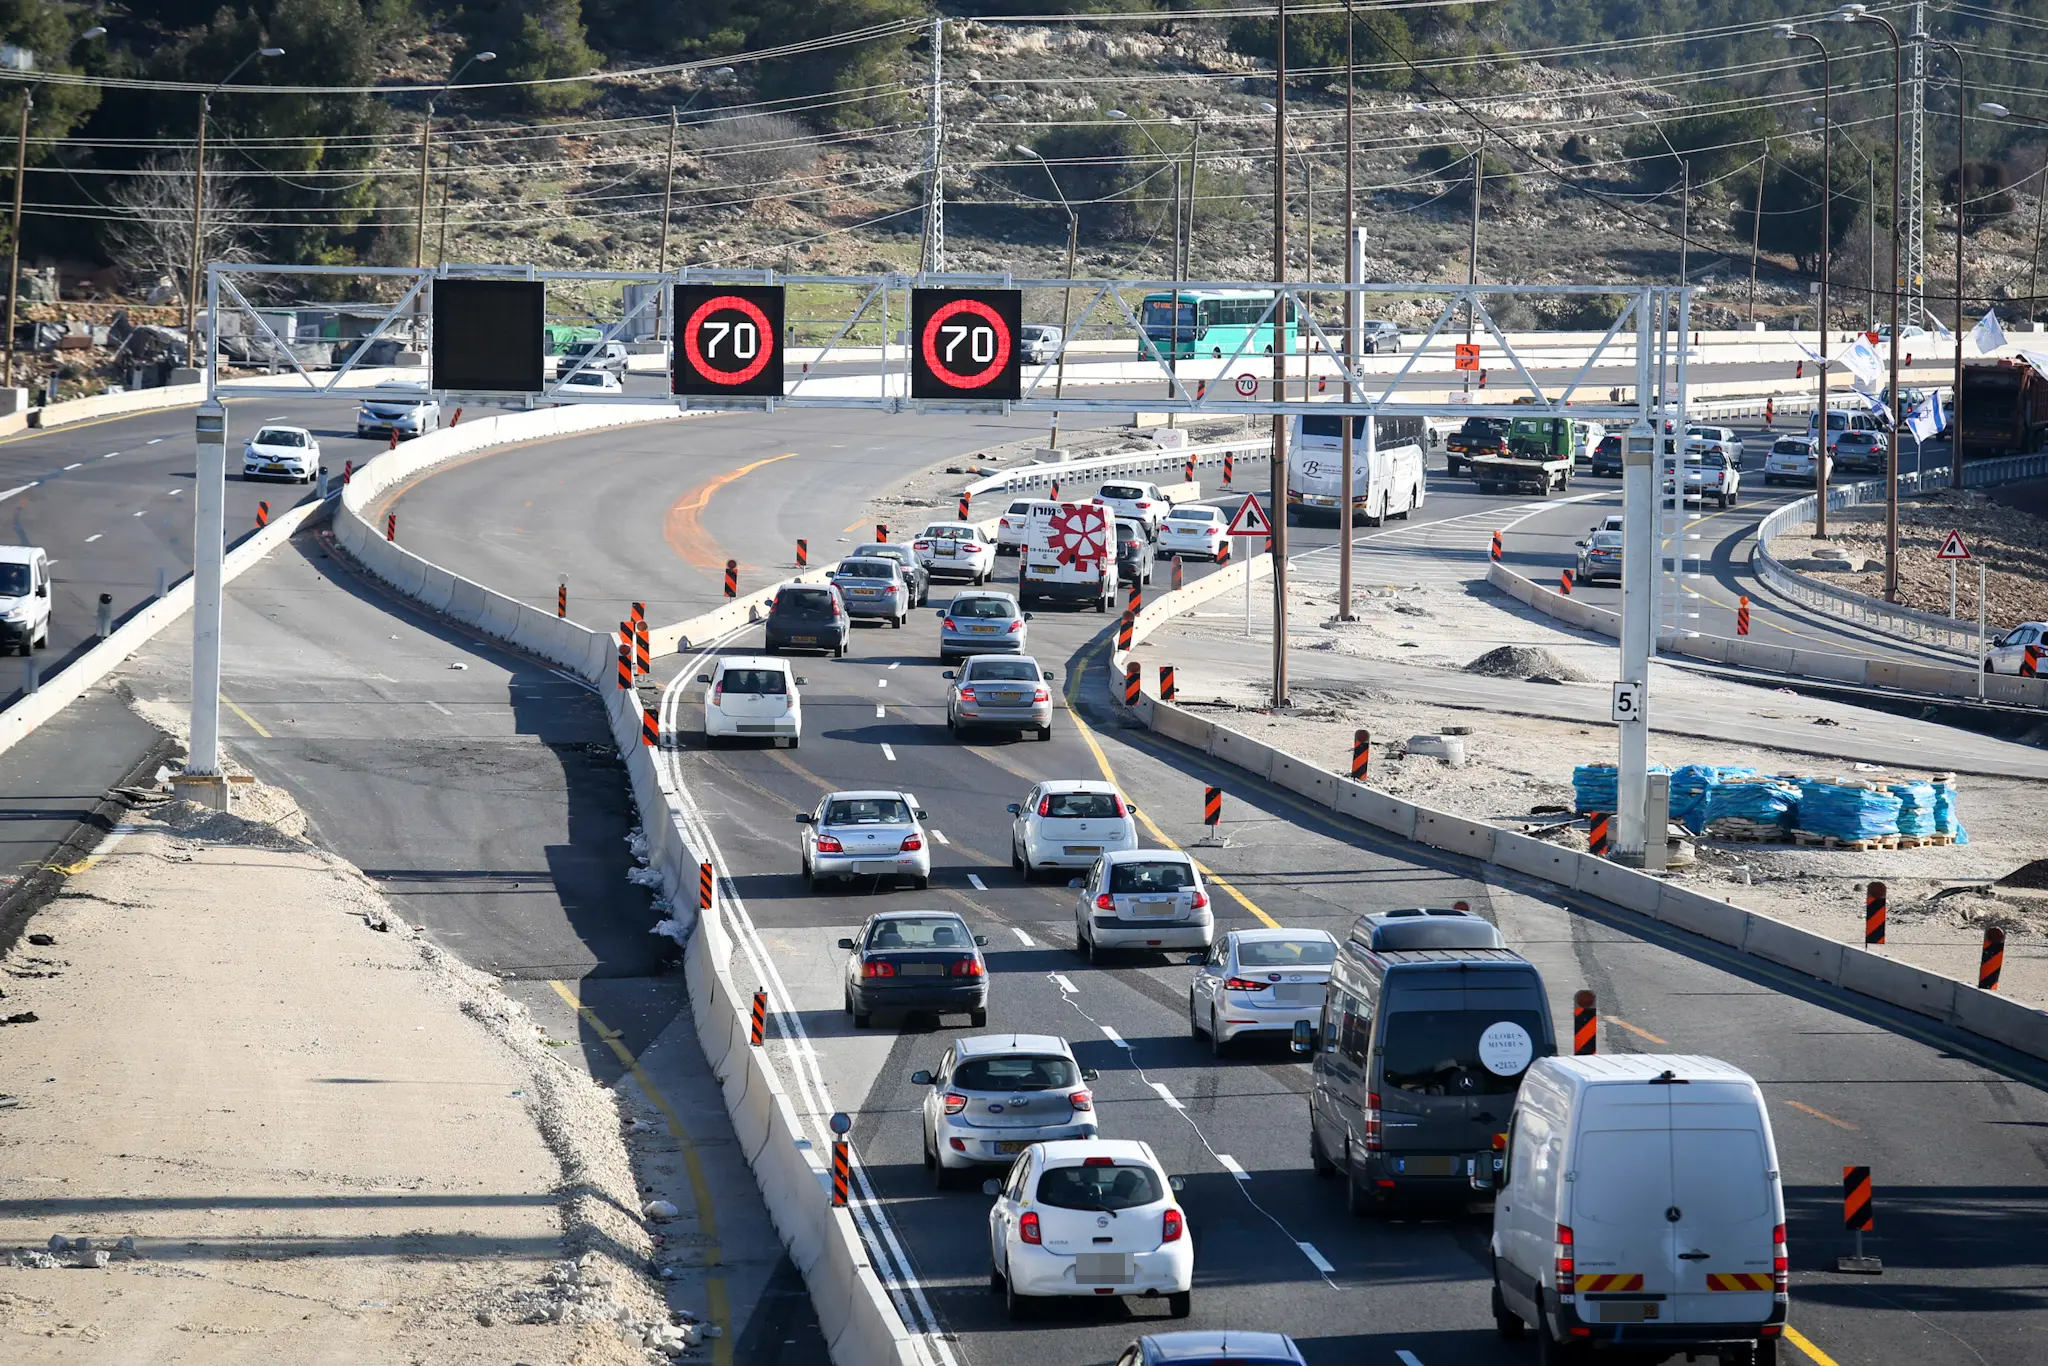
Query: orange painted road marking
[[683, 528], [1638, 1032], [1817, 1114]]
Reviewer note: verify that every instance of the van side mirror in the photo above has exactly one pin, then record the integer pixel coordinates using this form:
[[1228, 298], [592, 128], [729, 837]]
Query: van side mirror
[[1178, 1183], [43, 589], [846, 943], [1304, 1040], [920, 1078], [1090, 1074], [991, 1187], [950, 673]]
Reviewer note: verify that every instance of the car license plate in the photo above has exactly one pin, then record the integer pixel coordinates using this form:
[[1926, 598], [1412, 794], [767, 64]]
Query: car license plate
[[275, 469], [877, 866], [1103, 1268], [1041, 569], [1627, 1311], [983, 630], [864, 592], [923, 969], [1426, 1166], [948, 549], [803, 640], [1009, 1147], [1007, 699], [1153, 906], [1297, 993], [1084, 848]]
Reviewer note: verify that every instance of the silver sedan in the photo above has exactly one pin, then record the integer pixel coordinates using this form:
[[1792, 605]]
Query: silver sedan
[[860, 835], [1002, 692]]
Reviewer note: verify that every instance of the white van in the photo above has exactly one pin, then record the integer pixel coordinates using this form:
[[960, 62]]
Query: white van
[[24, 597], [1844, 420], [1069, 555], [1387, 483], [1641, 1205]]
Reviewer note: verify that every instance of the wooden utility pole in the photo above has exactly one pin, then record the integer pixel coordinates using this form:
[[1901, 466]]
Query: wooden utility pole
[[14, 252]]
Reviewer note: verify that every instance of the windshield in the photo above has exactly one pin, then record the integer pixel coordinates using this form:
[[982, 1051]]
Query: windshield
[[383, 402], [921, 932], [997, 609], [867, 811], [1015, 1074], [1437, 1052], [1161, 313], [594, 378], [1002, 671], [1607, 540], [868, 569], [1141, 878], [1285, 953], [13, 580], [1082, 806], [760, 682], [280, 436], [1106, 1187], [803, 600], [1483, 427]]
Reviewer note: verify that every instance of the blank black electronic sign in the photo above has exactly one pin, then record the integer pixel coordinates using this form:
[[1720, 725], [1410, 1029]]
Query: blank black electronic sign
[[490, 335], [963, 343], [728, 341]]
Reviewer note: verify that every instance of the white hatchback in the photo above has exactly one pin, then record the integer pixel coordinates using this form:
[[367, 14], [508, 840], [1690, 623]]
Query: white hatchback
[[1091, 1218], [1142, 899], [281, 453], [1194, 530], [1259, 981], [1069, 824], [959, 548], [753, 697]]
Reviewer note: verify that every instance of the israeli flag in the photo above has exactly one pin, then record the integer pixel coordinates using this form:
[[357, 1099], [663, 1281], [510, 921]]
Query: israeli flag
[[1926, 420], [1988, 336]]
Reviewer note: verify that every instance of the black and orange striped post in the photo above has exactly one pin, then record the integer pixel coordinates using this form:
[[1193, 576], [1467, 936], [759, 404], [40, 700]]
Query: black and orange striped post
[[1858, 1218], [1223, 551], [625, 669], [1177, 571], [1187, 470], [732, 579], [1123, 632], [1992, 960], [760, 1019], [1799, 369], [882, 532], [1461, 905], [1494, 554], [704, 881], [348, 469], [1770, 412], [650, 728], [842, 1171], [394, 440], [391, 527], [1585, 1024], [1596, 833], [562, 599], [1741, 616], [1201, 390], [966, 499], [1055, 494], [453, 421], [1167, 690], [1212, 807], [1876, 910], [1229, 467], [626, 641], [803, 553], [1564, 582], [1137, 596], [1133, 677], [262, 514], [2030, 662], [1361, 755], [643, 653]]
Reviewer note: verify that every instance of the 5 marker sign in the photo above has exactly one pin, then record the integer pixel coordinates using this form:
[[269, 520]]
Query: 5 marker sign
[[728, 341], [964, 344]]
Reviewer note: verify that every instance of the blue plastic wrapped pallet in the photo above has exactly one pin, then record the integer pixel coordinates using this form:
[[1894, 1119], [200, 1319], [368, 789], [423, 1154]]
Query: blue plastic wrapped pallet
[[1691, 787], [1945, 820], [1759, 801], [1594, 787], [1916, 807], [1847, 810]]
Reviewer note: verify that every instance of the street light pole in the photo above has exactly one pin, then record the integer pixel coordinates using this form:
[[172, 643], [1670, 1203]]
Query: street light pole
[[1472, 247], [199, 203], [419, 237], [1059, 381], [1859, 14], [1351, 319], [1827, 197], [1684, 197], [1955, 426], [1276, 489]]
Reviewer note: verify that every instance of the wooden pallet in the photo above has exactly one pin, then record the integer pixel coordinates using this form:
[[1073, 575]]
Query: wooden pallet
[[1808, 838], [1748, 833], [1925, 841]]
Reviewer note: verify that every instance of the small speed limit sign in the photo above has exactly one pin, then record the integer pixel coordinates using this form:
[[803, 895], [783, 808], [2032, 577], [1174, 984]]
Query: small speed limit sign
[[1248, 385], [728, 341], [963, 344], [1628, 701]]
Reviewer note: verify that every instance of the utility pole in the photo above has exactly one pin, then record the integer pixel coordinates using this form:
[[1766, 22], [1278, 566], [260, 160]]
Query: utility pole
[[1353, 250], [419, 236], [1756, 224], [1955, 431], [1827, 197], [1276, 489], [14, 252], [1913, 270], [935, 185], [1173, 348], [1472, 247], [668, 199]]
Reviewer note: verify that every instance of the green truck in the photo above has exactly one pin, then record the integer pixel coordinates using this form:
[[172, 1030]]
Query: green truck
[[1540, 454]]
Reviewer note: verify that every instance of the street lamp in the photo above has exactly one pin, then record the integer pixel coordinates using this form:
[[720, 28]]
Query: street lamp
[[1955, 431], [1870, 199], [419, 235], [1827, 194], [28, 102], [199, 203], [1999, 111], [1059, 381], [1861, 14], [1684, 193]]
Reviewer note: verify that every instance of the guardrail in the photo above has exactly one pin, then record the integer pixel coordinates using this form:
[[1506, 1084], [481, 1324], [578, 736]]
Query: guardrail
[[1029, 477]]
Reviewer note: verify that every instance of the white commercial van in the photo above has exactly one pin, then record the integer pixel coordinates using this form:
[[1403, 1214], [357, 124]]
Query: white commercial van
[[1844, 420], [1641, 1206], [1069, 555], [1386, 467], [24, 597]]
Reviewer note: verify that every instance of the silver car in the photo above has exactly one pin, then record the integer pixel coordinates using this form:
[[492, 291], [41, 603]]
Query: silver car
[[1142, 899], [994, 1095], [855, 835], [873, 587], [993, 691], [914, 571], [1259, 981], [981, 624]]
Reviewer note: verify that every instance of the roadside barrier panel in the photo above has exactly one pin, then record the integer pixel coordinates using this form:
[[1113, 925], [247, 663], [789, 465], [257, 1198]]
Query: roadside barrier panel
[[1801, 950], [1441, 830], [1901, 985], [1875, 913], [1585, 1024]]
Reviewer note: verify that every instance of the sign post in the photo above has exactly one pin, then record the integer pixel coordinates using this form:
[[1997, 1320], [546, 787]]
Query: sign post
[[1249, 520], [1955, 552]]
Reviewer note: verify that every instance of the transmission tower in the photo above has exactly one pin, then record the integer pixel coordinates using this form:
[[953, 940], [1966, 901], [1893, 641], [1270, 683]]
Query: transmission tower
[[935, 171], [1913, 268]]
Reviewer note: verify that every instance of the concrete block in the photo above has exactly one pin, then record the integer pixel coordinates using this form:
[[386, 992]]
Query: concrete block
[[1441, 830], [13, 401], [1916, 989], [1624, 887], [1235, 747], [1376, 809], [1705, 916], [1537, 858], [1177, 724], [466, 602], [1841, 668], [1751, 654], [436, 587], [2002, 1020], [1933, 679], [1815, 955], [1298, 775]]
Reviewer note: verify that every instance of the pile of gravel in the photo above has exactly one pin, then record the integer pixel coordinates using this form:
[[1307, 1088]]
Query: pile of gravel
[[1525, 662], [2030, 876]]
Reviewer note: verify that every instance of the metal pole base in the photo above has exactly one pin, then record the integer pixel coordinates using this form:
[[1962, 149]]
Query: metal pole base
[[1859, 1266], [1211, 841], [210, 790]]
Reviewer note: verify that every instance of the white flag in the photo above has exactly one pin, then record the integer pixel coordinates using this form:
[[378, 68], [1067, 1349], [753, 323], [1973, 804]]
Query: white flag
[[1987, 336], [1864, 363], [2037, 359], [1925, 420]]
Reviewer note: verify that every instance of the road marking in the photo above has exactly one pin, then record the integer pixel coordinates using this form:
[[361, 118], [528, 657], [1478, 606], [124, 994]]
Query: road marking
[[152, 441], [75, 465], [1231, 1165], [700, 1188], [140, 511], [110, 455], [251, 722], [1634, 1029], [682, 527], [879, 712], [1799, 1340], [1822, 1115], [940, 835], [1408, 1358], [889, 754], [1167, 1095], [1317, 1259], [897, 665], [975, 882], [1066, 984], [439, 708], [172, 493], [94, 537], [23, 489], [1026, 940], [1114, 1037], [881, 682]]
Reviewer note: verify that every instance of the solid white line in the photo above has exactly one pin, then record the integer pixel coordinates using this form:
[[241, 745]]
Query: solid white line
[[1167, 1095], [94, 537], [1066, 984], [976, 883], [76, 464], [11, 492], [1113, 1036], [1231, 1165], [1408, 1358], [940, 835], [889, 754], [1320, 1262], [1026, 940]]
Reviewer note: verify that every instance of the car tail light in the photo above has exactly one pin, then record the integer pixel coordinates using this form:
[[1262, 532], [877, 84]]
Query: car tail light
[[835, 609], [1121, 809], [877, 968], [1781, 1264], [912, 843], [1041, 696], [1170, 1231], [967, 695], [920, 545], [1372, 1121], [1045, 806], [1201, 899], [829, 844], [1567, 1265], [1212, 530], [1243, 984], [1081, 1100], [1027, 1228], [1144, 505], [1016, 626], [967, 967], [971, 547], [717, 692], [1100, 1162], [946, 625], [955, 1102], [1105, 902]]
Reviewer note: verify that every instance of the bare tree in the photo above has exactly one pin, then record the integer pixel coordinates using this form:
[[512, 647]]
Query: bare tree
[[747, 153], [149, 234]]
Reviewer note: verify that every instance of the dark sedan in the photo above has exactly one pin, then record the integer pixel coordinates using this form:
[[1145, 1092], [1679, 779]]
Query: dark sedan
[[1133, 554], [916, 962], [1606, 460]]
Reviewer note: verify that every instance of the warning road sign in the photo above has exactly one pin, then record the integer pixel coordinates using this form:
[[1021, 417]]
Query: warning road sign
[[1467, 357], [1953, 548], [1251, 518], [1248, 385]]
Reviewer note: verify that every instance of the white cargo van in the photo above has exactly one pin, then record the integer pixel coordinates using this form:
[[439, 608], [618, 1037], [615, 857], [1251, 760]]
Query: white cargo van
[[1069, 555], [1386, 467], [24, 597], [1641, 1206]]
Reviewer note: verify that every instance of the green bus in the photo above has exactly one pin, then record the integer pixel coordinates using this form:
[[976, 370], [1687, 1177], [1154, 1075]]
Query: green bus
[[1213, 323]]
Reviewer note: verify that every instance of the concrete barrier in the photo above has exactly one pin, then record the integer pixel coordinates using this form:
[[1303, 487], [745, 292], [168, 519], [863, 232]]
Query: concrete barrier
[[1706, 916], [1441, 830], [1899, 984], [1813, 954], [1536, 858]]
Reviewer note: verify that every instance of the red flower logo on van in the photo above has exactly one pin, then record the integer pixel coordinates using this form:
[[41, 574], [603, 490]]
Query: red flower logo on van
[[1079, 533]]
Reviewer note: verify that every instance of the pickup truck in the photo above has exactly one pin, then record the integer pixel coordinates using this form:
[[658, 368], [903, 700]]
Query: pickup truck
[[1479, 436], [1540, 455]]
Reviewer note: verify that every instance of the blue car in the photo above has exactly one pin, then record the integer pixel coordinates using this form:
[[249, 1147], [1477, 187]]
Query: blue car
[[1211, 1348]]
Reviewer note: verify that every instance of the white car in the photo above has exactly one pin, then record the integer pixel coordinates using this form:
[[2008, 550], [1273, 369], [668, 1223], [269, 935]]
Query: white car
[[1069, 823], [593, 382], [994, 1095], [1194, 531], [753, 697], [1014, 526], [281, 453], [24, 598], [1712, 476], [1259, 982], [1142, 899], [1140, 503], [1791, 459], [1089, 1218], [2007, 653], [1040, 343], [956, 548], [1720, 440], [402, 408]]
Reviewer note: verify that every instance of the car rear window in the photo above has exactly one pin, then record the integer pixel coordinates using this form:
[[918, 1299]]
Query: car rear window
[[1791, 448], [1002, 670], [1607, 540], [948, 533], [1163, 876], [760, 682], [1081, 806], [867, 811], [869, 569], [1438, 1052], [1016, 1073], [983, 608], [921, 932], [1112, 1187], [1285, 953], [804, 601], [1121, 491], [899, 553], [1195, 515]]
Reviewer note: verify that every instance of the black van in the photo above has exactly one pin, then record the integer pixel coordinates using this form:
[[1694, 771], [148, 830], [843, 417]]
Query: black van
[[1428, 1027]]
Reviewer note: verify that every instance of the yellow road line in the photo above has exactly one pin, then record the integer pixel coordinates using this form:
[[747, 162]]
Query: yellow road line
[[1799, 1340], [1822, 1115], [716, 1302], [251, 722], [1635, 1030], [1108, 773]]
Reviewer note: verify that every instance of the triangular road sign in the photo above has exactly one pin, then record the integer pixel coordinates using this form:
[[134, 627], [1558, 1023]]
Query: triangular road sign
[[1251, 518], [1953, 548]]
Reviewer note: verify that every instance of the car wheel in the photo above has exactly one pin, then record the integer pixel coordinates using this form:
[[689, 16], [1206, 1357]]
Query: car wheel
[[1017, 1306], [1506, 1322], [1045, 732], [919, 884], [896, 623], [931, 1153], [862, 1019], [1017, 861], [978, 1019], [1094, 952], [1319, 1161], [1218, 1045], [810, 878], [1551, 1352], [995, 1277], [1181, 1305]]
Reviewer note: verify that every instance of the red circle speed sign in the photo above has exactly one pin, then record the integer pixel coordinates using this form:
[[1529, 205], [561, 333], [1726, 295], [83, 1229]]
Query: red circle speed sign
[[761, 343], [985, 344]]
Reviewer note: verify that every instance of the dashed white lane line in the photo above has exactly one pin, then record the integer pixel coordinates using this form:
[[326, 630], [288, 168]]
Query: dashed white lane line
[[94, 537], [940, 835], [897, 665], [75, 465], [110, 455], [1407, 1358], [879, 711], [1231, 1165], [1167, 1096], [172, 493], [1026, 940], [881, 682], [1322, 1264], [889, 754], [439, 708], [1066, 984], [23, 489], [140, 511], [1112, 1035], [976, 883], [152, 441]]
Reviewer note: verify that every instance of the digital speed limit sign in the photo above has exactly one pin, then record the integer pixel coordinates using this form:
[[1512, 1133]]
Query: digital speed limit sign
[[964, 343], [728, 341]]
